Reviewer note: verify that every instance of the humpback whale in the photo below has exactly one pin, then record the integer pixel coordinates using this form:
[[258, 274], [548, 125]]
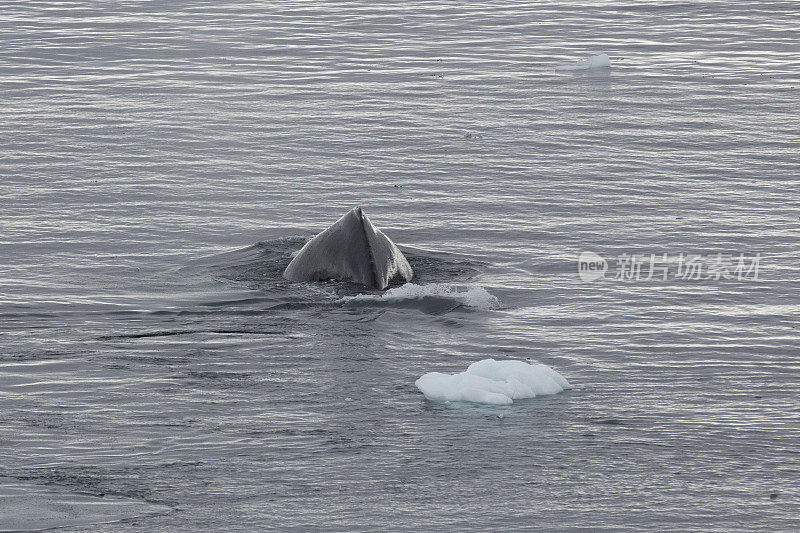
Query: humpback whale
[[352, 249]]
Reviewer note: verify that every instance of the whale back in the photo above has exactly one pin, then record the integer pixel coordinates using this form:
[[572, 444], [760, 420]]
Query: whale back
[[352, 249]]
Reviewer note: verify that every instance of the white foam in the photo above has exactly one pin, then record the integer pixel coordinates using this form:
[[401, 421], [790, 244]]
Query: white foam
[[598, 61], [493, 382], [471, 295]]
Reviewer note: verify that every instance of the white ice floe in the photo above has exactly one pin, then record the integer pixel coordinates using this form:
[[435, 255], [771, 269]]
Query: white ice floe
[[598, 61], [493, 382], [470, 296]]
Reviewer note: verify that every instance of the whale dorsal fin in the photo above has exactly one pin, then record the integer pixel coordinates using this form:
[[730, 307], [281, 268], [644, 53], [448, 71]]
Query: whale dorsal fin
[[352, 249]]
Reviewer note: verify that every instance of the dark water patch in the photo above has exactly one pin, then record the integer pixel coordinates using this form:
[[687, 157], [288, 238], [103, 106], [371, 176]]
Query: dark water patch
[[438, 267], [219, 310], [297, 306], [83, 482], [120, 482], [25, 316], [608, 421], [254, 266], [240, 302], [170, 333], [431, 305], [360, 316], [21, 354], [50, 421], [219, 378], [34, 506], [91, 481], [129, 359]]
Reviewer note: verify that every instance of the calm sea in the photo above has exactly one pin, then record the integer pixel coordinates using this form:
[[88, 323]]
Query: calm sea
[[161, 161]]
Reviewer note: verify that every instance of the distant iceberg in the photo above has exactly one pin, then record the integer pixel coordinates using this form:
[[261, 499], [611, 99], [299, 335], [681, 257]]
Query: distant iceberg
[[493, 382], [598, 61]]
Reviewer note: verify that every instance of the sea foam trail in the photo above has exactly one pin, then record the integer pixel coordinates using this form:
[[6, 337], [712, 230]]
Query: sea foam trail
[[470, 296], [493, 382], [598, 61]]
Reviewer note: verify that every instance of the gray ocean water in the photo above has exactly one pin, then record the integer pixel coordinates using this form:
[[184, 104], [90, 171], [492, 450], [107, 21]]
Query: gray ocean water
[[160, 162]]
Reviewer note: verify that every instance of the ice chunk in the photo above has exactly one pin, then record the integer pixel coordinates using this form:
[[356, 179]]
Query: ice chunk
[[464, 387], [493, 382], [598, 61]]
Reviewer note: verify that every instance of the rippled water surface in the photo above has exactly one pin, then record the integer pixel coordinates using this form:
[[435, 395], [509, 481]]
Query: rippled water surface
[[160, 162]]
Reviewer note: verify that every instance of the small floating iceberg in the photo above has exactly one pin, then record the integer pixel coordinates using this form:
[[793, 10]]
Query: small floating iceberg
[[598, 61], [493, 382]]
